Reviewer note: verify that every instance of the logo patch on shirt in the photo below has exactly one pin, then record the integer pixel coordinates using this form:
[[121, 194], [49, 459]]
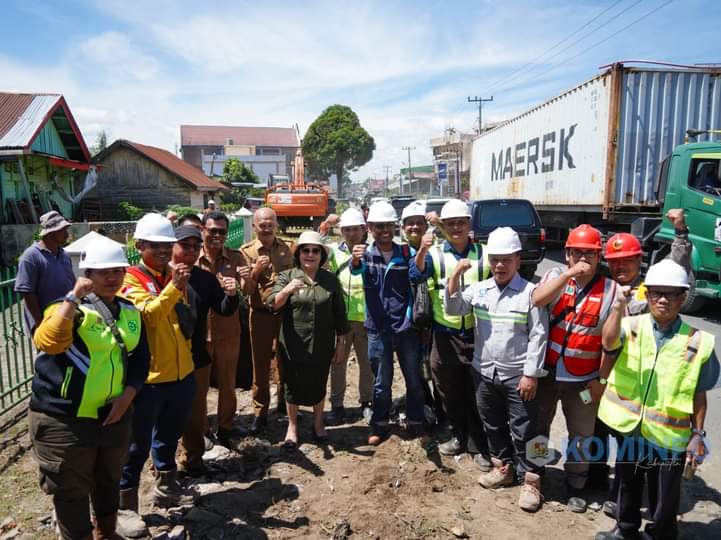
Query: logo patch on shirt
[[570, 289]]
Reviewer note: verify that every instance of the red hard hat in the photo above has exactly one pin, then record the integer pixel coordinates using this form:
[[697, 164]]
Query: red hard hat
[[622, 245], [584, 237]]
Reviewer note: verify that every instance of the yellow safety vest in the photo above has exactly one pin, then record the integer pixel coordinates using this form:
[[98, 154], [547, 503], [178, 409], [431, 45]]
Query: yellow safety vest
[[444, 262], [354, 296], [655, 388]]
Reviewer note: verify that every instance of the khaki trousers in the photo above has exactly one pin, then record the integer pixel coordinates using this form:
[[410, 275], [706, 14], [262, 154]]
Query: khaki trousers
[[359, 338], [264, 328], [224, 354], [580, 421], [192, 445]]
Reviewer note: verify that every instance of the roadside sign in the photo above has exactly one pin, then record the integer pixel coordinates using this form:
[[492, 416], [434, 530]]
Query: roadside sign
[[442, 172]]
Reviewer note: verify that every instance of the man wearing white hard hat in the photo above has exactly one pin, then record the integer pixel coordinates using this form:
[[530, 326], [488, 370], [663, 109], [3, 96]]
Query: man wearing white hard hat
[[92, 362], [655, 401], [510, 348], [158, 290], [353, 228], [452, 349], [413, 223], [389, 301]]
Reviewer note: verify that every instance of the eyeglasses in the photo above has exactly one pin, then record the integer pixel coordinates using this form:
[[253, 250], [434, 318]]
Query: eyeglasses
[[655, 295], [310, 251], [218, 232], [159, 245], [588, 253], [195, 246]]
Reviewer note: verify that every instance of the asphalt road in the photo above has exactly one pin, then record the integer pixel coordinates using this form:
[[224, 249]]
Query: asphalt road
[[709, 319]]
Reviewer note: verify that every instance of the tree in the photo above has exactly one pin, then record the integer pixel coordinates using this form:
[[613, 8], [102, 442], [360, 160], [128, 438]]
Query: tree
[[235, 170], [335, 143], [101, 143]]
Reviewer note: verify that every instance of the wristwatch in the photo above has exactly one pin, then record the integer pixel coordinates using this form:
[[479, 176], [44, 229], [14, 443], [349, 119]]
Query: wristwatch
[[70, 297], [701, 432], [603, 381]]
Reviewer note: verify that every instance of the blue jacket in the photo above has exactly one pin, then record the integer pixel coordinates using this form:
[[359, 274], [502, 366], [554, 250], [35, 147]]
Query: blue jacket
[[389, 300]]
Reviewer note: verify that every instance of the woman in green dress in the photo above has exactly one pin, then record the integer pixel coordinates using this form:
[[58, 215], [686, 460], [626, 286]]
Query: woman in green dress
[[314, 325]]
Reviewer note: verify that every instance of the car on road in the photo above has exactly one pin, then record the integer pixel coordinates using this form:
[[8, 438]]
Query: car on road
[[521, 216]]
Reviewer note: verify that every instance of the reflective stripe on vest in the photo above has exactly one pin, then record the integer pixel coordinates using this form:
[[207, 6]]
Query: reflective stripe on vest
[[352, 285], [105, 376], [655, 388], [513, 317], [444, 262], [578, 335]]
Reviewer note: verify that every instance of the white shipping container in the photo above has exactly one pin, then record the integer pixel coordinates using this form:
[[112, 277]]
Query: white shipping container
[[596, 147]]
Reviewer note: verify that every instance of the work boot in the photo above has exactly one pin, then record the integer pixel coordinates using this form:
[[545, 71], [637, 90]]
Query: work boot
[[530, 498], [129, 522], [168, 492], [105, 528], [451, 447], [502, 475]]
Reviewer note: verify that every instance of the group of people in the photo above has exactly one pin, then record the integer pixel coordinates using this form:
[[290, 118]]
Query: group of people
[[127, 354]]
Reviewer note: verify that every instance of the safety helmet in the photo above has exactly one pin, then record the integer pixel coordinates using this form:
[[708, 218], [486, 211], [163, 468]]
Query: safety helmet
[[382, 212], [154, 228], [584, 237], [416, 208], [622, 245], [455, 208], [211, 201], [351, 218], [503, 241], [312, 238], [103, 253], [667, 274]]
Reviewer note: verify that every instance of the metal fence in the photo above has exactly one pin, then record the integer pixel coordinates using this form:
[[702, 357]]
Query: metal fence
[[16, 348]]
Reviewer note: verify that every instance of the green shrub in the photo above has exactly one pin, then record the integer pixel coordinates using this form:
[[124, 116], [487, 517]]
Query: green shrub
[[129, 211]]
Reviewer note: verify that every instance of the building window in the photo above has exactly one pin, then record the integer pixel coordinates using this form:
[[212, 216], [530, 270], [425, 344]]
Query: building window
[[267, 151]]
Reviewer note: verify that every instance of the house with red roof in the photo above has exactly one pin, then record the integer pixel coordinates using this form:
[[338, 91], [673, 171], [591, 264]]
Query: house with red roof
[[151, 178]]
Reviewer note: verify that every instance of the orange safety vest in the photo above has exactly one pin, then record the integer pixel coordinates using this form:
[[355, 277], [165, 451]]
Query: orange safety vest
[[575, 331]]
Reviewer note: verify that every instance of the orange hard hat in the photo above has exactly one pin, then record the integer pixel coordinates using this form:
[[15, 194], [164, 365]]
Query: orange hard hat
[[584, 237], [622, 245]]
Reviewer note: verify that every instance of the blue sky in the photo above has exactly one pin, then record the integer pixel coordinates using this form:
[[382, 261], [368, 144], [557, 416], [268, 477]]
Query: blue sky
[[140, 69]]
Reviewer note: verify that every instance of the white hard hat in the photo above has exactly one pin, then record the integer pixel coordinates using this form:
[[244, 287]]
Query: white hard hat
[[382, 212], [311, 237], [416, 208], [667, 274], [455, 208], [351, 218], [211, 201], [154, 228], [503, 241], [103, 253]]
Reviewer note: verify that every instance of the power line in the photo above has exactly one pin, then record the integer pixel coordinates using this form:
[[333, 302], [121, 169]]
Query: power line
[[480, 102]]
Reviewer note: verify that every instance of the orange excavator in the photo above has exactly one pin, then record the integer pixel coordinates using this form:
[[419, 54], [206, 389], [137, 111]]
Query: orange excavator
[[297, 203]]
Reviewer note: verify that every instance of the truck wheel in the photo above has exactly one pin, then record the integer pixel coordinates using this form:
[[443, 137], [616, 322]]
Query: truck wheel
[[694, 301], [528, 272]]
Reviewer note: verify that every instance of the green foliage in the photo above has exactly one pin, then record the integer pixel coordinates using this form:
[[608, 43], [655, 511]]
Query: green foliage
[[235, 170], [335, 143], [229, 208], [181, 210], [129, 211]]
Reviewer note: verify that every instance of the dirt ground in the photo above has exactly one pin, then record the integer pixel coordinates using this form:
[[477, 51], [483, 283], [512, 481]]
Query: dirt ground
[[402, 489]]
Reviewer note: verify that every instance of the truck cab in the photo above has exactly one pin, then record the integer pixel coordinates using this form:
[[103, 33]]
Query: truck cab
[[690, 178]]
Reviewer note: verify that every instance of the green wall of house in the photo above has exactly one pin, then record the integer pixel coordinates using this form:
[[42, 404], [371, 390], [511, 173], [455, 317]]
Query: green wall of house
[[48, 142]]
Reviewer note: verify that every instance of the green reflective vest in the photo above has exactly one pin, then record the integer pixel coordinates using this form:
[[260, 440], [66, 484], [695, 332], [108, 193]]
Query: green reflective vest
[[105, 377], [444, 262], [354, 296], [655, 388]]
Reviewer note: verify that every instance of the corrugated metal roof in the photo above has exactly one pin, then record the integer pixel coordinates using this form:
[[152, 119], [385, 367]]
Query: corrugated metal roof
[[22, 115], [240, 135], [172, 163]]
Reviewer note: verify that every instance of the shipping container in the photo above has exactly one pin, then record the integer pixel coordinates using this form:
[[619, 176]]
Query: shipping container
[[593, 152]]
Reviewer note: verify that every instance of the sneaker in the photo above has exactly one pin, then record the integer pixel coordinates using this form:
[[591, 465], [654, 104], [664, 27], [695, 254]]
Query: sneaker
[[451, 447], [615, 534], [502, 475], [367, 411], [576, 501], [530, 498], [482, 461], [609, 508], [335, 416]]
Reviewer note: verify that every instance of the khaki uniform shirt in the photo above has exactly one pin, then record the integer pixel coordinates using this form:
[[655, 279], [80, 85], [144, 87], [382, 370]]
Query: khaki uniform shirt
[[219, 326], [281, 258]]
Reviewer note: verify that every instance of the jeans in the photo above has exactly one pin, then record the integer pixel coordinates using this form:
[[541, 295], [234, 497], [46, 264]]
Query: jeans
[[380, 353], [161, 411]]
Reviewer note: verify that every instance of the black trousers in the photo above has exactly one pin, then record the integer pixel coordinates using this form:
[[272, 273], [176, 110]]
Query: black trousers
[[637, 462], [598, 468], [509, 422], [451, 358]]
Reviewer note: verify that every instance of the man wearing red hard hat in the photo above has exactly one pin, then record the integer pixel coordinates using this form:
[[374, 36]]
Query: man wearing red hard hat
[[579, 299]]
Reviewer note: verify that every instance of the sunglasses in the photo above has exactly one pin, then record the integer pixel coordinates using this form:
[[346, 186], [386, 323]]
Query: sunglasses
[[159, 245], [668, 295], [218, 232], [588, 253], [310, 251]]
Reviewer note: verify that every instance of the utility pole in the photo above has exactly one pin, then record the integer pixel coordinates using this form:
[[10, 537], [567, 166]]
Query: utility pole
[[480, 108], [387, 168], [410, 169]]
